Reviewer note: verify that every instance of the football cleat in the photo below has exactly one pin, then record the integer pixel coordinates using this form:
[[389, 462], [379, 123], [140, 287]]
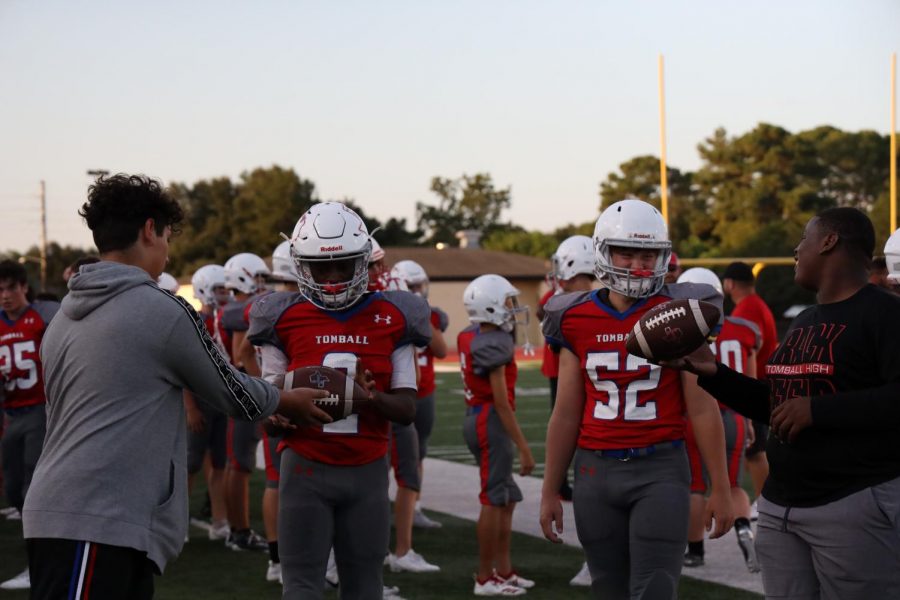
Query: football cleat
[[273, 573], [693, 560], [219, 531], [496, 587], [390, 593], [246, 540], [411, 562], [22, 581], [516, 580], [422, 521], [331, 573], [582, 578], [15, 515]]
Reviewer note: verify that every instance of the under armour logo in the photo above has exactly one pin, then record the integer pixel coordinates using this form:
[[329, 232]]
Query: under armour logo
[[385, 319], [318, 379], [29, 320]]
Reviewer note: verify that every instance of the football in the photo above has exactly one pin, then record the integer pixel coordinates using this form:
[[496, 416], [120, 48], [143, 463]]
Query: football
[[672, 330], [345, 397]]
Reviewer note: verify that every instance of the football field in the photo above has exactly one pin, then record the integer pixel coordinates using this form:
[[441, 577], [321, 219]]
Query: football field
[[207, 569]]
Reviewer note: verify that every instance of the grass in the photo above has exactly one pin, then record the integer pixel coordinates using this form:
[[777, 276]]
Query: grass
[[207, 570]]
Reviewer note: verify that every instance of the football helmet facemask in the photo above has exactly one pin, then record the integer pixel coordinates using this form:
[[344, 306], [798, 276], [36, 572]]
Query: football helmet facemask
[[331, 248], [637, 225]]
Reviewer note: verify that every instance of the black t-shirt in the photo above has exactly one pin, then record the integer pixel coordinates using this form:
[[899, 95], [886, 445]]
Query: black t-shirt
[[846, 357]]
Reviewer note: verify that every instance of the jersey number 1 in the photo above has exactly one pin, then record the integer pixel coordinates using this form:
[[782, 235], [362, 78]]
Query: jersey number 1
[[610, 361]]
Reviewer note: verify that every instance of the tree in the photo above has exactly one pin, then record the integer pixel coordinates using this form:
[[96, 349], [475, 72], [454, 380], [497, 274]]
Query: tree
[[58, 258], [469, 202]]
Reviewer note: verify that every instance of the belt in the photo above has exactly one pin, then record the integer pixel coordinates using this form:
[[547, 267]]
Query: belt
[[626, 454], [474, 410]]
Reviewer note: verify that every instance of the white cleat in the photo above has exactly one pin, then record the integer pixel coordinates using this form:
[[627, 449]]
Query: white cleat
[[516, 580], [218, 531], [412, 562], [273, 573], [422, 521], [583, 578], [497, 587], [7, 511], [390, 593], [14, 515], [22, 581]]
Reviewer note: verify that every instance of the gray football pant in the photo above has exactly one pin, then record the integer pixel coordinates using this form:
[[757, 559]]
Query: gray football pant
[[22, 443], [848, 549], [323, 505], [632, 521]]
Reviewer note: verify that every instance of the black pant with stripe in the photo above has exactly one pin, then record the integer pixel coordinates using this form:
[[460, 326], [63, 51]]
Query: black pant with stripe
[[73, 570]]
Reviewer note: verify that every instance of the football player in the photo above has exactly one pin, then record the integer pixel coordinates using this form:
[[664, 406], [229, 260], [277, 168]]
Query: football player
[[410, 441], [167, 282], [489, 372], [245, 276], [892, 259], [736, 345], [333, 488], [22, 327], [207, 427], [626, 417]]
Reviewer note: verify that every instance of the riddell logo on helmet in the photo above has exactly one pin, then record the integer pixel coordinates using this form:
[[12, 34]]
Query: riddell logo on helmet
[[330, 248], [642, 236]]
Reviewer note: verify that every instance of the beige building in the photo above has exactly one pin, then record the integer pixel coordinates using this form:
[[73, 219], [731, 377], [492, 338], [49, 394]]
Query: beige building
[[451, 269]]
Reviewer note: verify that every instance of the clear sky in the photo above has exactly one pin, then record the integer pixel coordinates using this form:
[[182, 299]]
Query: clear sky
[[371, 99]]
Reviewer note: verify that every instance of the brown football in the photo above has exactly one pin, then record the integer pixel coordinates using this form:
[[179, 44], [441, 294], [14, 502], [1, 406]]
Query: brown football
[[672, 329], [345, 398]]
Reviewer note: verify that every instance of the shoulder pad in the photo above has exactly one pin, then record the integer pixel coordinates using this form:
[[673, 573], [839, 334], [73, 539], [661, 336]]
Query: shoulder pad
[[233, 316], [698, 291], [442, 318], [264, 315], [554, 310], [490, 350], [751, 326], [47, 309], [417, 314]]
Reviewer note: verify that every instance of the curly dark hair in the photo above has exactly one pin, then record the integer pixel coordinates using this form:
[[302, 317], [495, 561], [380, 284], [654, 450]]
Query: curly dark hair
[[119, 205], [13, 271]]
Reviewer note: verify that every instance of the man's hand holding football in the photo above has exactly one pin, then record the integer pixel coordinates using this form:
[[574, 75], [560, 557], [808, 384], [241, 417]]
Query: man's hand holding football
[[297, 405]]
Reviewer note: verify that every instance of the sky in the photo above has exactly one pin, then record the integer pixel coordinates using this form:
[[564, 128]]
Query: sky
[[370, 100]]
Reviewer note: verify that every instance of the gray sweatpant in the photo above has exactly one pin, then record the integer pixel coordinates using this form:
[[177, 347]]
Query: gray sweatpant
[[23, 439], [848, 549], [322, 505], [632, 520]]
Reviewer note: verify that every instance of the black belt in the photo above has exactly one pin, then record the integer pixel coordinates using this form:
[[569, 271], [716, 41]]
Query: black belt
[[626, 454]]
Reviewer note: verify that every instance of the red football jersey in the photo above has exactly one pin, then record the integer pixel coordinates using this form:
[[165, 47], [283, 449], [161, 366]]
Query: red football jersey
[[754, 309], [550, 359], [220, 335], [20, 358], [425, 356], [736, 342], [479, 354], [370, 331], [629, 402]]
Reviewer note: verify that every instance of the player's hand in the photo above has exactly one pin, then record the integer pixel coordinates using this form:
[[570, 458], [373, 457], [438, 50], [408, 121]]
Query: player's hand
[[719, 509], [297, 405], [195, 421], [365, 378], [791, 417], [552, 514], [278, 425], [526, 461], [699, 362]]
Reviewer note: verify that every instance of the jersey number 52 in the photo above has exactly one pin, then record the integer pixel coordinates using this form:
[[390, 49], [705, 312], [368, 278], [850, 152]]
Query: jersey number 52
[[606, 370]]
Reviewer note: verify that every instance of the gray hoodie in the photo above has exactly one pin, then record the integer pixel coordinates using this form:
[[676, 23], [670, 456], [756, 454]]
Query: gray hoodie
[[116, 358]]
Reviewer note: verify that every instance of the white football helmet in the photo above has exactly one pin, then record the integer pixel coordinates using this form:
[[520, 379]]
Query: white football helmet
[[330, 232], [242, 273], [167, 282], [413, 275], [377, 251], [575, 256], [635, 224], [205, 281], [892, 257], [485, 300], [283, 268], [701, 275]]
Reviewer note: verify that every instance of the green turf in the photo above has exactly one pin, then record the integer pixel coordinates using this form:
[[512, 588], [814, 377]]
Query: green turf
[[207, 570]]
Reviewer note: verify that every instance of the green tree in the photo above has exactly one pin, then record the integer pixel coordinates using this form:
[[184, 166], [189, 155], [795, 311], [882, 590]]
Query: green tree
[[468, 202]]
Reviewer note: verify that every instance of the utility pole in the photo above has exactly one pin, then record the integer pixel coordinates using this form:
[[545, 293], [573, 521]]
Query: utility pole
[[43, 235]]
